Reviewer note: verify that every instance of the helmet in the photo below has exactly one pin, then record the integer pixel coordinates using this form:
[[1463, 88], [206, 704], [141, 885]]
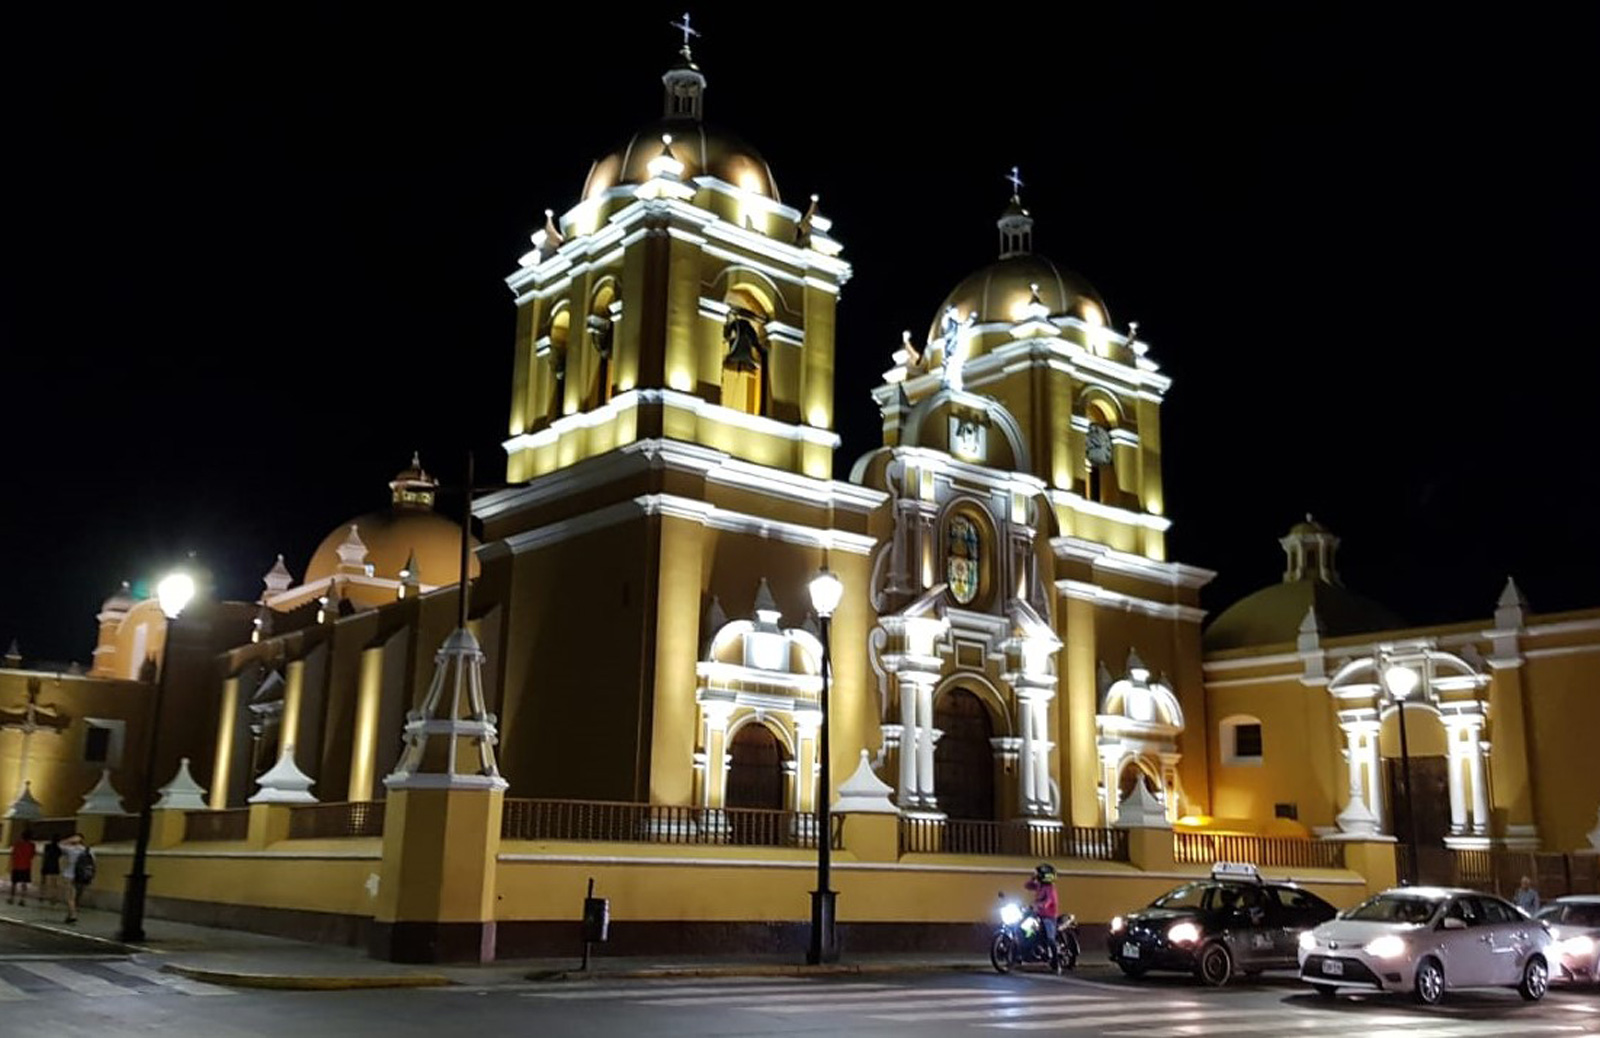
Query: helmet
[[1046, 873]]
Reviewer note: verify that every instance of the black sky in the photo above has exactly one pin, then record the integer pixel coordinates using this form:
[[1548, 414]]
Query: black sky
[[252, 258]]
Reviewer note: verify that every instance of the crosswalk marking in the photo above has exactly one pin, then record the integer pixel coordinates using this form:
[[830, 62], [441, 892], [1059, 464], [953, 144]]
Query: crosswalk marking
[[835, 994], [77, 983], [169, 980], [1135, 1014], [1323, 1021], [912, 999], [669, 988], [999, 1005], [11, 994]]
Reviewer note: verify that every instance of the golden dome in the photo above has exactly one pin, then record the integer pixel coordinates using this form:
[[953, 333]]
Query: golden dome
[[998, 292], [704, 151], [389, 537]]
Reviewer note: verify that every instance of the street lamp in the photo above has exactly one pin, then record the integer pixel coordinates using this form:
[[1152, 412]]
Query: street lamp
[[173, 593], [826, 590], [1401, 682]]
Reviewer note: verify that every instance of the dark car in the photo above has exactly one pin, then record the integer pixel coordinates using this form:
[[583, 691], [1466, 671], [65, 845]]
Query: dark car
[[1232, 923]]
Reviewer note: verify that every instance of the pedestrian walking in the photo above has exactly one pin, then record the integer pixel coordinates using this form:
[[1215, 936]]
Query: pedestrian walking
[[21, 868], [50, 871], [77, 871], [1527, 897]]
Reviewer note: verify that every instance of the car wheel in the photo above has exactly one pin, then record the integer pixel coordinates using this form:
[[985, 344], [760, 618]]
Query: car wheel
[[1000, 953], [1215, 967], [1430, 982], [1326, 990], [1535, 980], [1132, 969]]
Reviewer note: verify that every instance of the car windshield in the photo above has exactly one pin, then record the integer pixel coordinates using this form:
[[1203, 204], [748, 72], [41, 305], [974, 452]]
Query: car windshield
[[1190, 896], [1394, 908], [1581, 915]]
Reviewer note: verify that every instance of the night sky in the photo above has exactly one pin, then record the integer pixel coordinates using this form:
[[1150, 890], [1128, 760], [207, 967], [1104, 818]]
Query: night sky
[[251, 260]]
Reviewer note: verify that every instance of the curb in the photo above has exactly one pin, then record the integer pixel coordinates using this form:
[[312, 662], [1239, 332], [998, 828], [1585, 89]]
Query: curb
[[291, 982], [66, 931], [797, 970]]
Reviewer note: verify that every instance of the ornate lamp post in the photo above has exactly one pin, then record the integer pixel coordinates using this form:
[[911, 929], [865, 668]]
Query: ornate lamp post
[[173, 593], [826, 590], [1401, 682]]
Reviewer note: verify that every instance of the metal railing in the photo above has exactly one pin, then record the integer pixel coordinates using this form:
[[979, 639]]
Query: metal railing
[[1015, 838], [1274, 851], [213, 826], [1500, 871], [120, 829], [46, 828], [660, 823], [336, 821]]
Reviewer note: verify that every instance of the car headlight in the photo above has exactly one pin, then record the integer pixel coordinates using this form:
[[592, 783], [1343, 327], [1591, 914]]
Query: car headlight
[[1183, 933], [1386, 947], [1010, 914], [1308, 941], [1581, 946], [1117, 923]]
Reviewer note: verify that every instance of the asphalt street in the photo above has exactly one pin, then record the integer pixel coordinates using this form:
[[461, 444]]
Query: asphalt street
[[81, 991]]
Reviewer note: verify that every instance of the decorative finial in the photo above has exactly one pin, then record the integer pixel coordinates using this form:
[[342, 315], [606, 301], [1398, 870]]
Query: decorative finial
[[687, 30], [416, 456], [553, 238], [802, 230], [1309, 519], [1133, 330], [1015, 180]]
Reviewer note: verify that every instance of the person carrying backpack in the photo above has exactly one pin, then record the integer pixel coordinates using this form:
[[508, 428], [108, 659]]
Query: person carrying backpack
[[77, 871]]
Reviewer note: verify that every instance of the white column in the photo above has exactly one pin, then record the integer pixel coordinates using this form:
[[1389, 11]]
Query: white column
[[1480, 790], [908, 743], [1025, 770], [809, 767], [925, 739], [1041, 754], [715, 715], [1458, 794], [1358, 815]]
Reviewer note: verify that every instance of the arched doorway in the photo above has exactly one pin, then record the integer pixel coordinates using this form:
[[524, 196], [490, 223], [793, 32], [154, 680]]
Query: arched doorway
[[755, 769], [963, 759], [1132, 772]]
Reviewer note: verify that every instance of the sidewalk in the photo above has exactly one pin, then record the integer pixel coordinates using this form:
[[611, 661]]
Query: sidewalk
[[242, 959]]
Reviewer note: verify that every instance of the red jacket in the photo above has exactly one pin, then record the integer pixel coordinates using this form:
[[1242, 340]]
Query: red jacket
[[22, 855], [1044, 899]]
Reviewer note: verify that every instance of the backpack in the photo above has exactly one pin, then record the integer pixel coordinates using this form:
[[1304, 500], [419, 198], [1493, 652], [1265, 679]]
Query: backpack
[[85, 871]]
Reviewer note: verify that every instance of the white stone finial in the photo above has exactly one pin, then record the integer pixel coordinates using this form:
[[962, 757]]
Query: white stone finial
[[25, 808], [284, 783], [183, 793], [864, 793], [353, 552], [1141, 809], [1593, 835], [278, 578], [1357, 818], [459, 719], [766, 606], [103, 798]]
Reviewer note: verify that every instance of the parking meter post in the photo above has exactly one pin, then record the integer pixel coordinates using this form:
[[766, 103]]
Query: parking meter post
[[588, 898]]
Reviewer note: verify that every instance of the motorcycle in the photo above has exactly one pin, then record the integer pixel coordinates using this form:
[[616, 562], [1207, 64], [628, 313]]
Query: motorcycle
[[1020, 939]]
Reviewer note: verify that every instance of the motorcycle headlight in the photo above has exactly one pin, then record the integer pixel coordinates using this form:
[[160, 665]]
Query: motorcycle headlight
[[1386, 947], [1183, 933], [1010, 914], [1308, 941], [1117, 923]]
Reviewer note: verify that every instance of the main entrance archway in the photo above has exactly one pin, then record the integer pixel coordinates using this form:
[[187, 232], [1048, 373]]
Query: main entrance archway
[[755, 769], [963, 759]]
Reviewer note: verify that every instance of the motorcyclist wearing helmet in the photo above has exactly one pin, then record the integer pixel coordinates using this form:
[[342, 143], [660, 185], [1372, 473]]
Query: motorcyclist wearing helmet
[[1045, 906]]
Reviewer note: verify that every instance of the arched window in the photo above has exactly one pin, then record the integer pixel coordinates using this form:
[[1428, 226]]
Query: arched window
[[560, 325], [598, 331], [746, 380], [1100, 455], [963, 758], [1133, 772]]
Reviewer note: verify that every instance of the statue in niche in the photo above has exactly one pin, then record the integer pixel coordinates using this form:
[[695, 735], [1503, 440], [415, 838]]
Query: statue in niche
[[956, 334], [741, 333], [968, 443], [599, 328]]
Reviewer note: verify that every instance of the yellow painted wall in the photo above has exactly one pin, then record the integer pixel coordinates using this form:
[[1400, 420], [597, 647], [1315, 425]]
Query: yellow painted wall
[[1300, 753]]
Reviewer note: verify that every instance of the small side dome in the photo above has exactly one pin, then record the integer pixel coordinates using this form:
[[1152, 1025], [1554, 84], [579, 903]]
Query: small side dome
[[704, 151], [121, 600]]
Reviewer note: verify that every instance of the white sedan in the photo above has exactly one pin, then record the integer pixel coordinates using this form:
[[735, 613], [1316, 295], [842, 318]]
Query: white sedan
[[1575, 924], [1425, 941]]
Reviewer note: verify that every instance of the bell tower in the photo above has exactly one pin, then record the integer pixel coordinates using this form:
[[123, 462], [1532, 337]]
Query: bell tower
[[680, 298]]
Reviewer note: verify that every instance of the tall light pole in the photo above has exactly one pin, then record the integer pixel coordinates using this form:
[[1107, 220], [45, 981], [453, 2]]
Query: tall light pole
[[826, 590], [173, 593], [1401, 682]]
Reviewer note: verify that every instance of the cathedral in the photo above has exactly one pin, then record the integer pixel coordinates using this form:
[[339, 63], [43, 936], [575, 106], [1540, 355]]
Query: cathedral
[[1016, 667]]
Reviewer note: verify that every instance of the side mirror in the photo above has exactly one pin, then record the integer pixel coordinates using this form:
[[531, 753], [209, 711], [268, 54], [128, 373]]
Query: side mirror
[[1450, 922]]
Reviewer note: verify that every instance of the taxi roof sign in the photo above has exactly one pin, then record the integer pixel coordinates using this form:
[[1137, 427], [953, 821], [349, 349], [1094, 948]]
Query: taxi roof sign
[[1235, 870]]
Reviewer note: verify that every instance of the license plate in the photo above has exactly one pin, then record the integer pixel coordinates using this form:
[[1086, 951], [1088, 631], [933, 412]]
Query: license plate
[[1130, 950], [1333, 967]]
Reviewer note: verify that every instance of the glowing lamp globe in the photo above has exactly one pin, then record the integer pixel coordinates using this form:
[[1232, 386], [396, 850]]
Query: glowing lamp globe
[[826, 590], [1400, 681], [174, 593]]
